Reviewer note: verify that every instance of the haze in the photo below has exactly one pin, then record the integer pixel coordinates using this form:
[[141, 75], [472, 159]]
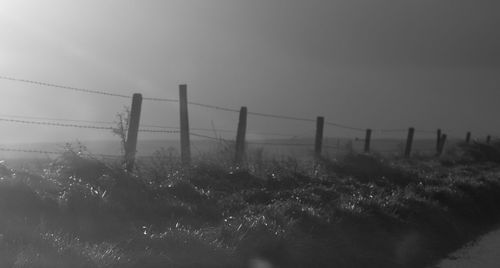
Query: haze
[[363, 63]]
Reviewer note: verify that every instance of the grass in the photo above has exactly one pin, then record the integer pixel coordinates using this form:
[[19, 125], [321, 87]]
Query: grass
[[360, 210]]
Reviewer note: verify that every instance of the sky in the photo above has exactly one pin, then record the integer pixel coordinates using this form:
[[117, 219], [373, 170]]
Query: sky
[[380, 64]]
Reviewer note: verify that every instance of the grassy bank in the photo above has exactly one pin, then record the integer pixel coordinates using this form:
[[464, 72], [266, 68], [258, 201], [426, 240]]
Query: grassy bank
[[355, 211]]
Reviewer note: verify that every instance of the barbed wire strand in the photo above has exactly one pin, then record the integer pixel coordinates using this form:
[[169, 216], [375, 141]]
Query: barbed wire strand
[[85, 90], [160, 99], [345, 126], [215, 107], [144, 125], [224, 130], [112, 128], [55, 124], [83, 121], [269, 115], [52, 152], [281, 117], [57, 119], [29, 151], [79, 126]]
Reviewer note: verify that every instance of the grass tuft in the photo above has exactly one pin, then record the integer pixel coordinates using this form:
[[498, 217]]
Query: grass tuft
[[360, 210]]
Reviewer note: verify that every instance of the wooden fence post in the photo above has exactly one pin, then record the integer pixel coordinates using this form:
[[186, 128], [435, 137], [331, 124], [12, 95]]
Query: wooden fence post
[[133, 129], [488, 139], [467, 137], [441, 145], [184, 121], [320, 122], [367, 140], [240, 136], [409, 142], [438, 140]]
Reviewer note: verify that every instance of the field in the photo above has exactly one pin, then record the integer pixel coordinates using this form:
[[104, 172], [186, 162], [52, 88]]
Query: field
[[354, 210]]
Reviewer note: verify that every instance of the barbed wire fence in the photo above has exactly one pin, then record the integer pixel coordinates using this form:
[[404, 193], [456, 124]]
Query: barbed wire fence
[[404, 145]]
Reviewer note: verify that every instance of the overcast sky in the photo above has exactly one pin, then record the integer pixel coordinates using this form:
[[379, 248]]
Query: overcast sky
[[365, 63]]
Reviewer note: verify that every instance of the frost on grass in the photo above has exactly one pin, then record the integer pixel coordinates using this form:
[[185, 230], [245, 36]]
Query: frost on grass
[[355, 211]]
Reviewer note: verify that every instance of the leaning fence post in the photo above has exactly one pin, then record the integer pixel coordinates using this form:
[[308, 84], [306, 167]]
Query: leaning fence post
[[488, 139], [367, 140], [184, 121], [467, 137], [320, 122], [133, 129], [409, 141], [438, 139], [441, 145], [240, 136]]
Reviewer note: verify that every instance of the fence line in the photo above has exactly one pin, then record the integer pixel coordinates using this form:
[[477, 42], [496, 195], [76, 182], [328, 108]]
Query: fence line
[[100, 92], [184, 129], [143, 125], [220, 139], [215, 107]]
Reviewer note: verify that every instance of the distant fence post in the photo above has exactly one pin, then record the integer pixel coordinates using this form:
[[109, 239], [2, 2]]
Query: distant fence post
[[438, 140], [488, 139], [409, 142], [184, 121], [367, 140], [320, 122], [240, 136], [133, 129], [441, 145], [467, 137]]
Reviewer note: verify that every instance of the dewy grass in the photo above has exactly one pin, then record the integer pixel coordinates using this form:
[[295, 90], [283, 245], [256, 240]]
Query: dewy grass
[[355, 211]]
